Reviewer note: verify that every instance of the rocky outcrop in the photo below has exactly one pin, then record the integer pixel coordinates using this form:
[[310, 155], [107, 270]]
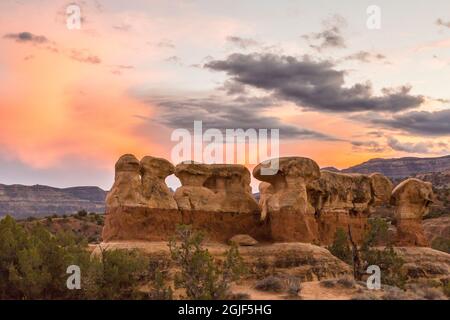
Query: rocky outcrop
[[214, 198], [306, 204], [346, 200], [425, 263], [215, 188], [298, 202], [411, 199], [283, 196], [127, 187]]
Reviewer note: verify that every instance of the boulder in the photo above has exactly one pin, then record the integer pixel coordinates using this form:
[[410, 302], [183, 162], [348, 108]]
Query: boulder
[[243, 240], [411, 199]]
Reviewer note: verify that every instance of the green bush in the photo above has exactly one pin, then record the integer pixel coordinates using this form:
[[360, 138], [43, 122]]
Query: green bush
[[340, 247], [387, 259], [33, 263], [200, 275]]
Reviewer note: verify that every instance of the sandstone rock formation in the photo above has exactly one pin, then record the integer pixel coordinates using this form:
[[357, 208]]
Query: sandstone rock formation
[[412, 199], [214, 198], [298, 202], [342, 200], [285, 199], [156, 194], [139, 191], [215, 187], [306, 204], [127, 188]]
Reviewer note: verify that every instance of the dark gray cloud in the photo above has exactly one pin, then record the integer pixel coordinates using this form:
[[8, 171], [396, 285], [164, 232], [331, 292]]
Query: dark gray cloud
[[441, 22], [365, 56], [418, 122], [420, 147], [331, 35], [367, 146], [242, 43], [310, 84], [43, 42], [223, 113], [26, 37]]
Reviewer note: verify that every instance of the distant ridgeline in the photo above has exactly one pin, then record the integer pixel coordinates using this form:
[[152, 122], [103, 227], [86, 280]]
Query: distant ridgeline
[[402, 167], [38, 201]]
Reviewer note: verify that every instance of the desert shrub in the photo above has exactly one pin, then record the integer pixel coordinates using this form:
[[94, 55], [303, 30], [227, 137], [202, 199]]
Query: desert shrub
[[270, 284], [387, 259], [82, 213], [340, 247], [441, 244], [33, 263], [200, 275], [239, 296], [292, 259], [115, 274], [328, 283], [262, 267], [346, 282], [160, 291], [293, 286], [426, 291], [390, 264]]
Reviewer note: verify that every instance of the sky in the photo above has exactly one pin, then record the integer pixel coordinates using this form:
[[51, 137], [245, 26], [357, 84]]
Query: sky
[[342, 83]]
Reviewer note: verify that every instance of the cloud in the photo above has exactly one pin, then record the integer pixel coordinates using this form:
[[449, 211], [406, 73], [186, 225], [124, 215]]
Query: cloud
[[223, 113], [330, 36], [82, 56], [174, 59], [368, 146], [419, 122], [26, 37], [365, 56], [420, 147], [310, 84], [242, 43], [443, 23], [44, 43]]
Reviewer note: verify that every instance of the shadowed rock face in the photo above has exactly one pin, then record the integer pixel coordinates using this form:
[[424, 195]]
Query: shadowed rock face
[[411, 199]]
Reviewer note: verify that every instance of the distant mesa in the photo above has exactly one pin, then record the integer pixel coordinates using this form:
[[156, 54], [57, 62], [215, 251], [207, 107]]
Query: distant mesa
[[402, 167], [22, 201]]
